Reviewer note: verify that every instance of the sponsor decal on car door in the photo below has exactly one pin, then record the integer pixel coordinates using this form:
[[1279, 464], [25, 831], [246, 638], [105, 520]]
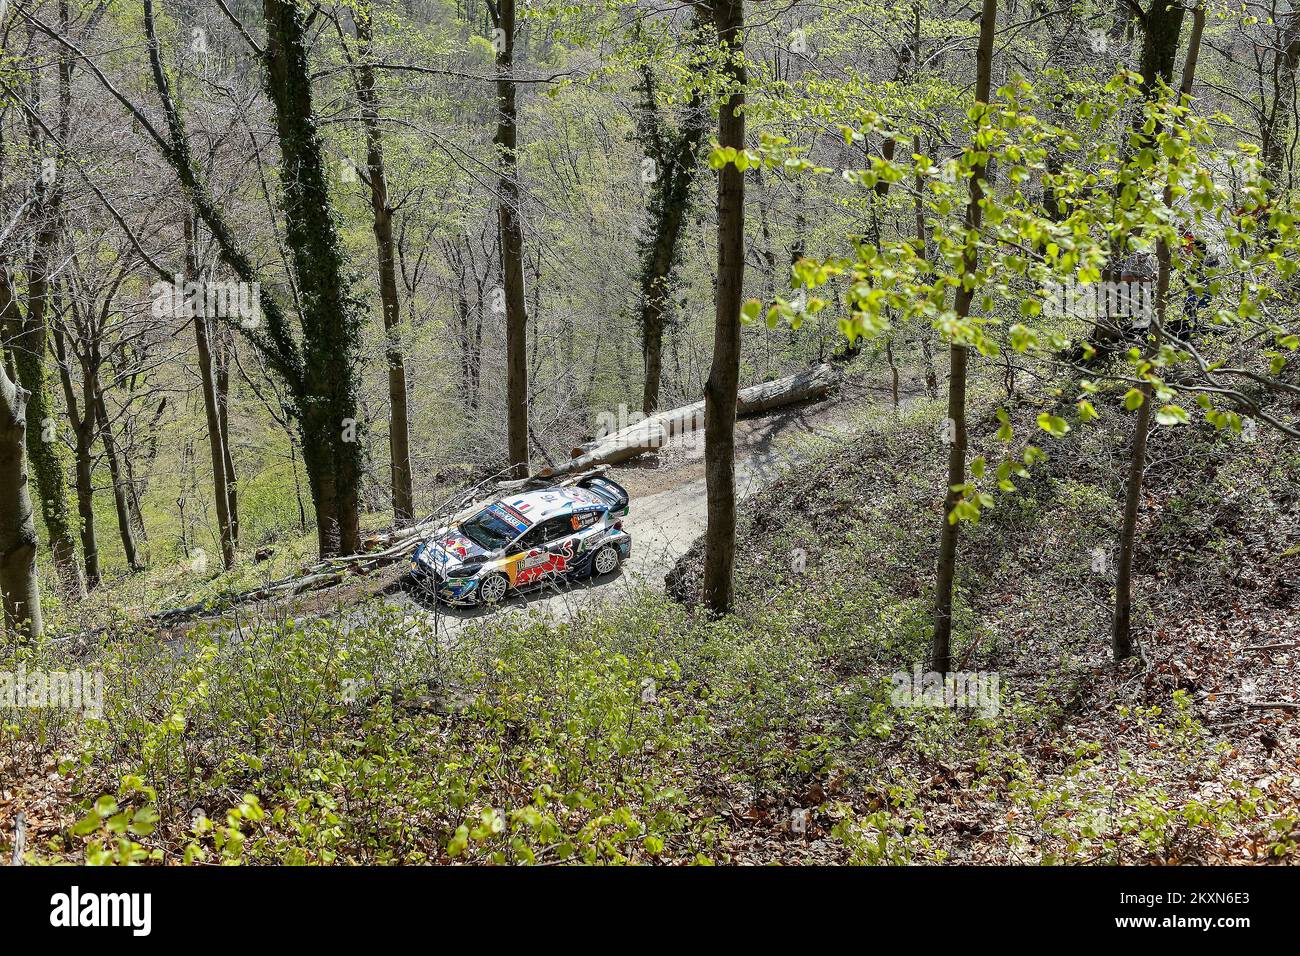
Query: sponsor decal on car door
[[541, 562]]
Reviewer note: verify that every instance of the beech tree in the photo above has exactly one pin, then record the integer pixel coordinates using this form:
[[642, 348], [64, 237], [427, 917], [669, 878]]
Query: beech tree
[[399, 428], [319, 371], [19, 584], [955, 426], [1159, 48], [724, 374], [27, 330], [674, 152], [510, 230]]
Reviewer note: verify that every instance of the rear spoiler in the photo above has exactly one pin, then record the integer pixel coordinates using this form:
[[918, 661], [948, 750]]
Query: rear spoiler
[[607, 489]]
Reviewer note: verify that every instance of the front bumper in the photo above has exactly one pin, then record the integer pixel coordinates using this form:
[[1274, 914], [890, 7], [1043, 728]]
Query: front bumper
[[452, 590]]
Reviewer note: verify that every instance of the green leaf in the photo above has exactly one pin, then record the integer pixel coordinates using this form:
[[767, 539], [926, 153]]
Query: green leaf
[[1171, 415], [1004, 429], [1054, 425], [459, 842], [1133, 399]]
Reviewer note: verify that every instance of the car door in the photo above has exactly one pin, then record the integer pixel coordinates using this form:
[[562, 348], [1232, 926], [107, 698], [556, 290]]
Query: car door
[[542, 550]]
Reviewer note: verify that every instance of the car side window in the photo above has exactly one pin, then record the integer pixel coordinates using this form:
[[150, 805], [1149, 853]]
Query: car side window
[[557, 528], [545, 533], [532, 539]]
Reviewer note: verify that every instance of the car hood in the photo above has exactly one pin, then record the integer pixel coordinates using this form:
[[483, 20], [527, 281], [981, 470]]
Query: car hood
[[449, 550]]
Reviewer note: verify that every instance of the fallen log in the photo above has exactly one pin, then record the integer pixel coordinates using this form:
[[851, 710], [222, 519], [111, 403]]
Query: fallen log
[[817, 382], [1271, 704], [314, 579], [651, 432], [621, 446]]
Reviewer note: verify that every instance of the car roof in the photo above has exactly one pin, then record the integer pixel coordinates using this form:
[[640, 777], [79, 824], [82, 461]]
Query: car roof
[[545, 503]]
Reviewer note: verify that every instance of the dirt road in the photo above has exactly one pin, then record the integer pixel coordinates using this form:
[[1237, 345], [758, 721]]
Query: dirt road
[[668, 510], [668, 513]]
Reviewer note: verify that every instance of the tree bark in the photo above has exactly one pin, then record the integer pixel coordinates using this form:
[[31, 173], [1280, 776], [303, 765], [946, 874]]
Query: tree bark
[[923, 251], [216, 435], [120, 503], [331, 317], [44, 450], [676, 159], [1162, 28], [1121, 631], [83, 431], [511, 234], [31, 351], [941, 646], [19, 585], [224, 345], [399, 431], [724, 375]]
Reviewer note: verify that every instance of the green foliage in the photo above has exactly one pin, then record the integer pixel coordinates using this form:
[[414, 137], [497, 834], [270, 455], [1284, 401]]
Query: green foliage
[[639, 733]]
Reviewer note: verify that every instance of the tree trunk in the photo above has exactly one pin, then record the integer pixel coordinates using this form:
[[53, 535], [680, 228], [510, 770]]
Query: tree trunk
[[1121, 635], [224, 345], [84, 435], [399, 431], [893, 372], [45, 451], [676, 160], [31, 349], [320, 373], [120, 502], [216, 436], [941, 647], [86, 506], [1275, 132], [19, 584], [1163, 26], [724, 375], [512, 239], [331, 317]]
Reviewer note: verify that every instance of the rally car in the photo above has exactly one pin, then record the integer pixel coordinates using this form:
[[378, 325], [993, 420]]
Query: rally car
[[525, 539]]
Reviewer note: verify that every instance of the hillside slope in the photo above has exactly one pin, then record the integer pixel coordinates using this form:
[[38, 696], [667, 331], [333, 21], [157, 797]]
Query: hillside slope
[[644, 732]]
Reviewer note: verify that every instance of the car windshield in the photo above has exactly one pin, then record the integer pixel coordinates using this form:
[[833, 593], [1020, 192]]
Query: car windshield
[[488, 531]]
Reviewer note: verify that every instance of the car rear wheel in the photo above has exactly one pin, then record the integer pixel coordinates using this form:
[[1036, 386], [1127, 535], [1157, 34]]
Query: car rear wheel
[[493, 588], [606, 560]]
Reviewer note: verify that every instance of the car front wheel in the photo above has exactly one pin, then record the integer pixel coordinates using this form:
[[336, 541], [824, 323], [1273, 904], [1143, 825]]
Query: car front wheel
[[606, 560], [493, 589]]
